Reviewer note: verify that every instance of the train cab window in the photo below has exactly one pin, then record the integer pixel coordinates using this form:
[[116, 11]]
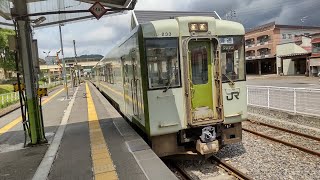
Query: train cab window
[[232, 58], [163, 63], [199, 63]]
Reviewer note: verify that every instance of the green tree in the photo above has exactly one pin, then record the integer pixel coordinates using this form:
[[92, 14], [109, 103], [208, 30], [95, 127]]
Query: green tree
[[7, 61]]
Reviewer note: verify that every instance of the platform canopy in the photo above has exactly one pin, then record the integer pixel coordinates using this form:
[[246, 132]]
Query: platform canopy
[[41, 6]]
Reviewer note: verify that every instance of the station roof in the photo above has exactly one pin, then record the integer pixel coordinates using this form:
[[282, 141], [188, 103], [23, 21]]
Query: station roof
[[40, 6]]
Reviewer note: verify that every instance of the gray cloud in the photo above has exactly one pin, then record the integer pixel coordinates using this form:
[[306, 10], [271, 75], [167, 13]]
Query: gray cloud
[[256, 12], [100, 36]]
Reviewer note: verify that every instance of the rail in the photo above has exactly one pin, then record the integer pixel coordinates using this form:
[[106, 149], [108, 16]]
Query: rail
[[230, 169], [301, 148], [296, 100]]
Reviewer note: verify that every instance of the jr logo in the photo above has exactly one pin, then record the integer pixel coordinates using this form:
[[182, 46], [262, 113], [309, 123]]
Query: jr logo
[[232, 95]]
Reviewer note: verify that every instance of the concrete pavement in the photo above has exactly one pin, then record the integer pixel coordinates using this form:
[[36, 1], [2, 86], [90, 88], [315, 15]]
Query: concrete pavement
[[96, 143]]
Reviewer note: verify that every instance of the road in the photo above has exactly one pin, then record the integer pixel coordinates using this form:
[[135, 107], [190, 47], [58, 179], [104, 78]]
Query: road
[[284, 81]]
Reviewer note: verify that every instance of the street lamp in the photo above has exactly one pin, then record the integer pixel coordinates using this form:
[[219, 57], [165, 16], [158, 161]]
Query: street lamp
[[47, 53], [38, 21]]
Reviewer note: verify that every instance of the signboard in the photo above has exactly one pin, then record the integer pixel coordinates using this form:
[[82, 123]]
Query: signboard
[[226, 40], [98, 10], [315, 62]]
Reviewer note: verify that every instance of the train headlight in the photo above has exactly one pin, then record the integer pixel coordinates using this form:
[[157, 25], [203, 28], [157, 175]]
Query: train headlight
[[198, 27], [203, 27], [193, 27]]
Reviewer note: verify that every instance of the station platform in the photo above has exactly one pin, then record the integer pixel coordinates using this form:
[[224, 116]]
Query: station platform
[[87, 139]]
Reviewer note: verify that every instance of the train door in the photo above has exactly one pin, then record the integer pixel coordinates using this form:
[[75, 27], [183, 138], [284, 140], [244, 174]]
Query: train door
[[126, 85], [203, 104], [135, 82]]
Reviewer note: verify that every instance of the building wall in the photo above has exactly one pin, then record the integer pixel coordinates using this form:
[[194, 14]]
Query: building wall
[[287, 49], [315, 59], [278, 34], [258, 46], [288, 35], [288, 67]]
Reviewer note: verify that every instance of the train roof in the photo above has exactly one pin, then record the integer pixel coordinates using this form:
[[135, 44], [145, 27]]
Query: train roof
[[179, 26], [150, 29], [140, 17]]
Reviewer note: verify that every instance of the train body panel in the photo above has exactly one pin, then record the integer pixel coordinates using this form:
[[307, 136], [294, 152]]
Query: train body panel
[[234, 98], [181, 81]]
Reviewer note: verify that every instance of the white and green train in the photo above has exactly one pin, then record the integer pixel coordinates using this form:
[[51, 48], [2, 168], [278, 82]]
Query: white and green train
[[181, 81]]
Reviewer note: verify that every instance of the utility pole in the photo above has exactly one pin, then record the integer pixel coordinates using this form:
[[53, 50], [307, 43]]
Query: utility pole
[[24, 40], [75, 58], [63, 65]]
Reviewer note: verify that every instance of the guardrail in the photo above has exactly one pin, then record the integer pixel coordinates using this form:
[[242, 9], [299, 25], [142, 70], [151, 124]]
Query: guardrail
[[51, 85], [8, 98], [295, 100], [13, 97]]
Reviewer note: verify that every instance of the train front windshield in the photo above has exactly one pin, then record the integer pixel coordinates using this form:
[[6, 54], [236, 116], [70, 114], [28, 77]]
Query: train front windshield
[[163, 63], [232, 58]]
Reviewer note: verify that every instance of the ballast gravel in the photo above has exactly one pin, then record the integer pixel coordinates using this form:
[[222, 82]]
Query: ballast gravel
[[260, 159]]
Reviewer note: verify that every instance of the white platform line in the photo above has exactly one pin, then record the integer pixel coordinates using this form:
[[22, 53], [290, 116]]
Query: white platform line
[[48, 159]]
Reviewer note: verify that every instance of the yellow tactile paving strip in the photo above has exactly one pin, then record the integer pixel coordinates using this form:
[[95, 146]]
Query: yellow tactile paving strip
[[12, 124], [121, 94], [103, 167]]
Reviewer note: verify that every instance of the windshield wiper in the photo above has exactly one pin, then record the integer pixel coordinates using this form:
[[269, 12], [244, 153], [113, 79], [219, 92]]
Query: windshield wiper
[[169, 84], [232, 82]]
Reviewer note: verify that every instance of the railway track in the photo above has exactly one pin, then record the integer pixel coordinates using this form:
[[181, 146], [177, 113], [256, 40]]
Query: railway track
[[310, 151], [230, 169], [181, 172], [221, 163]]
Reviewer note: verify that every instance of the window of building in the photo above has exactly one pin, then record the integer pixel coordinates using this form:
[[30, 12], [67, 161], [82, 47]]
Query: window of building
[[316, 48], [264, 51], [263, 39], [163, 63], [284, 36]]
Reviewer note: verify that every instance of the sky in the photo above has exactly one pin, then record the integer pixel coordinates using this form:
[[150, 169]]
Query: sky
[[99, 36]]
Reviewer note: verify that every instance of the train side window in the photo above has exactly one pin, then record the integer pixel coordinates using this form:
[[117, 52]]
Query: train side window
[[163, 63]]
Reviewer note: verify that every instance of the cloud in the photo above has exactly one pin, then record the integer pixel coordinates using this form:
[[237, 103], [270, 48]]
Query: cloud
[[257, 12], [97, 36], [94, 36]]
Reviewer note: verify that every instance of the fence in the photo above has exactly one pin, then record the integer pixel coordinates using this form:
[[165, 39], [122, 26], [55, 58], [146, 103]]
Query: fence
[[51, 85], [296, 100], [8, 98], [13, 97]]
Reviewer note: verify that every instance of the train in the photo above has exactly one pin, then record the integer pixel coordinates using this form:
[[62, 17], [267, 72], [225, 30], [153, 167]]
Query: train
[[181, 81]]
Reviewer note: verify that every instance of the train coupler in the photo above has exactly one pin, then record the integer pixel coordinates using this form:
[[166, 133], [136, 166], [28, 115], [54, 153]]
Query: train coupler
[[207, 148], [207, 143]]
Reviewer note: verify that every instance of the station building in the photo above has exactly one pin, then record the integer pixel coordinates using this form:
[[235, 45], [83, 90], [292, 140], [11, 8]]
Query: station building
[[315, 56], [293, 57], [85, 64], [262, 41]]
